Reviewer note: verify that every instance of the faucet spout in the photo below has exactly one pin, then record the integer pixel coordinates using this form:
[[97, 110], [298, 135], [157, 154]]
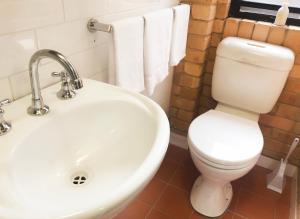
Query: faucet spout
[[38, 107]]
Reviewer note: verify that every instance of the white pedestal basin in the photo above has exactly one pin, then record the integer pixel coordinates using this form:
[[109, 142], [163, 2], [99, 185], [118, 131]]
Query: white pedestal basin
[[86, 159]]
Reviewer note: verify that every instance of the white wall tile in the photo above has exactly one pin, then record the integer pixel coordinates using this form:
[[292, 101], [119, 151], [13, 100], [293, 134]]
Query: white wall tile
[[69, 38], [5, 91], [16, 15], [28, 25], [75, 9], [101, 76], [90, 62], [116, 6], [87, 63], [16, 50], [20, 84]]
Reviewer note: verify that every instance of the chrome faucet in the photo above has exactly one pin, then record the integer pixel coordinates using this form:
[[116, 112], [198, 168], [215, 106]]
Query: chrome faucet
[[4, 125], [38, 108]]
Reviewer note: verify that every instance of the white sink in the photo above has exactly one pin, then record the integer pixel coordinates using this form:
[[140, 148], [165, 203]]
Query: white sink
[[87, 158]]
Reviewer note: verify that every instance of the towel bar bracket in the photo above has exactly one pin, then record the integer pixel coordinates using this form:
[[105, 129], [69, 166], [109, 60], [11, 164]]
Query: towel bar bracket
[[93, 25]]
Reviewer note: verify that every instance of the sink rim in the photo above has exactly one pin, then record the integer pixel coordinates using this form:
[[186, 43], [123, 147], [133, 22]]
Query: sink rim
[[136, 180]]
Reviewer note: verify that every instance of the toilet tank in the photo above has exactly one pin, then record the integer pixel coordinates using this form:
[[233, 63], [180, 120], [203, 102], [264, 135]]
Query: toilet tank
[[250, 75]]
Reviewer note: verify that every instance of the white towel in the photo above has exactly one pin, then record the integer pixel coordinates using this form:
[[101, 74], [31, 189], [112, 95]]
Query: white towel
[[180, 32], [157, 44], [126, 66]]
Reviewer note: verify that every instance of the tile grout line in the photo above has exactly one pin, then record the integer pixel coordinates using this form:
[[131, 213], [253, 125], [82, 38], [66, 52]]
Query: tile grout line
[[162, 192], [236, 204], [158, 199]]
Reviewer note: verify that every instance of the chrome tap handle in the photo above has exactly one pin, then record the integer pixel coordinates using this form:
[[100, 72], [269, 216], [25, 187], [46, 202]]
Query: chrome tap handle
[[5, 102], [4, 125], [61, 74], [67, 89]]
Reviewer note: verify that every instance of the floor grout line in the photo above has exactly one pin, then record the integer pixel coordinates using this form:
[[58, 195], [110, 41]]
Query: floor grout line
[[158, 199], [241, 189], [168, 183]]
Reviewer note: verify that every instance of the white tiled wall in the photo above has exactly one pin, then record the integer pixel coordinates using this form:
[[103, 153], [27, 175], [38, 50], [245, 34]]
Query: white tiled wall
[[29, 25]]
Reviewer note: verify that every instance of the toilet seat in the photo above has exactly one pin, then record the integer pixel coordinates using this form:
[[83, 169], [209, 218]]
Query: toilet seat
[[224, 140]]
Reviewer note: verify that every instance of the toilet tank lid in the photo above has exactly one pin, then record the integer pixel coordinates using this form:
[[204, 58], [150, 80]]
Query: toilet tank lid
[[257, 53]]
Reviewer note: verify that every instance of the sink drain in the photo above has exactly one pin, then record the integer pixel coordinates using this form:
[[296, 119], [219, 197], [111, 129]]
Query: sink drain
[[79, 178]]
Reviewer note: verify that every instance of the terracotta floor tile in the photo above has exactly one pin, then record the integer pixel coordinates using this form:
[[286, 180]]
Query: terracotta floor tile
[[226, 215], [180, 155], [136, 210], [236, 216], [175, 203], [233, 204], [285, 197], [167, 169], [153, 191], [196, 215], [282, 211], [255, 206], [185, 177], [237, 184], [256, 181], [169, 192], [154, 214]]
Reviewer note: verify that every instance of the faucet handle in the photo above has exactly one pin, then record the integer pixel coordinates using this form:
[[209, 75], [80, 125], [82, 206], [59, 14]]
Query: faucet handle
[[5, 102], [63, 75], [67, 89], [4, 125]]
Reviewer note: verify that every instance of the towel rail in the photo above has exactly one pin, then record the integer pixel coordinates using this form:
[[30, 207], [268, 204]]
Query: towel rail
[[93, 25]]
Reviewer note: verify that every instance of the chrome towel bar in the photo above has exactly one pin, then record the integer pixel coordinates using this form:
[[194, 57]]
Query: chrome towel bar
[[93, 25]]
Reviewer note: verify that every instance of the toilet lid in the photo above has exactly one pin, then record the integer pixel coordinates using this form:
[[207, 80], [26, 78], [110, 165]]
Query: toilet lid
[[225, 139]]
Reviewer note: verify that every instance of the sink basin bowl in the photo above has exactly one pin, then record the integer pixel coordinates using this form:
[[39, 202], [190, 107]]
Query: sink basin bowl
[[88, 158]]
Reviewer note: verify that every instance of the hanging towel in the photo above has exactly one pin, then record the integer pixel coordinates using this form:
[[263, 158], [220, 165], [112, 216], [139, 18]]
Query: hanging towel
[[180, 31], [126, 67], [157, 44]]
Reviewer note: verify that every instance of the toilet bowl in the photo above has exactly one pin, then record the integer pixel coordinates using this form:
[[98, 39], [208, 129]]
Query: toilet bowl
[[225, 143], [220, 149]]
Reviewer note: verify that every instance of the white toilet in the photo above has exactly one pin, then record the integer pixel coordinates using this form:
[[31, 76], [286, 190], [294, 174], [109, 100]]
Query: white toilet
[[225, 143]]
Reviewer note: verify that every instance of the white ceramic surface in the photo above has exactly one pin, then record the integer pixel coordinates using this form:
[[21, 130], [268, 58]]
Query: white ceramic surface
[[225, 143], [114, 138], [225, 139], [250, 75]]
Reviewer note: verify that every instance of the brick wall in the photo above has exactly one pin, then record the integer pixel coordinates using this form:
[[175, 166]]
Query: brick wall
[[191, 94]]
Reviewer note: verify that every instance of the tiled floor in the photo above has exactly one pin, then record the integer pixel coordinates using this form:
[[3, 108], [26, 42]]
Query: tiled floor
[[167, 195]]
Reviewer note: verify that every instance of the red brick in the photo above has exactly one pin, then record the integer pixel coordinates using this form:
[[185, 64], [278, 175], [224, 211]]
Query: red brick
[[186, 80], [246, 28], [179, 124], [289, 112], [200, 42], [295, 72], [200, 27], [290, 98], [182, 103], [218, 26], [277, 122], [195, 56], [231, 27], [203, 12], [292, 39], [222, 10]]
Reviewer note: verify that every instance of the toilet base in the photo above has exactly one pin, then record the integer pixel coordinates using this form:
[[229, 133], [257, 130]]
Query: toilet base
[[210, 198]]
